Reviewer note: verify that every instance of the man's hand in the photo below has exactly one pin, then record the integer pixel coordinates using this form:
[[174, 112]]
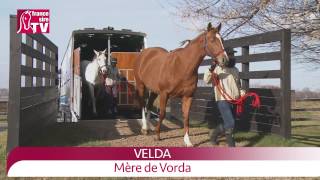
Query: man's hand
[[242, 92], [213, 66]]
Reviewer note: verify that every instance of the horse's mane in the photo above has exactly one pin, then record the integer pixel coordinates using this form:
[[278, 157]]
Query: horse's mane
[[184, 42], [187, 41]]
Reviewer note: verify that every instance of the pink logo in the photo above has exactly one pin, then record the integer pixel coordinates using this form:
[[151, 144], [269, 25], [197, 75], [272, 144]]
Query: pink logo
[[33, 21]]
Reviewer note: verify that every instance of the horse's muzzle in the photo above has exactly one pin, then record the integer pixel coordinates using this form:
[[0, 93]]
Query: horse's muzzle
[[225, 60], [104, 71], [222, 61]]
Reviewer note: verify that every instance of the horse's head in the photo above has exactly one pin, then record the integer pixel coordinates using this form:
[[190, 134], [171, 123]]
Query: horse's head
[[101, 58], [26, 18], [213, 45]]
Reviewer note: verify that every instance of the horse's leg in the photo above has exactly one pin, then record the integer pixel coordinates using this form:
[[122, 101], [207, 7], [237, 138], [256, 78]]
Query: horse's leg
[[93, 98], [163, 103], [140, 91], [153, 96], [186, 104]]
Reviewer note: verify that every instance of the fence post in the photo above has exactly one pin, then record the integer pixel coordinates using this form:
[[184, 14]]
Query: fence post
[[286, 83], [245, 68], [14, 86]]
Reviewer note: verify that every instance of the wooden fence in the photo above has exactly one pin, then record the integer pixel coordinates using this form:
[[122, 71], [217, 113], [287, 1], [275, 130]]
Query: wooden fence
[[310, 110], [274, 114], [32, 86], [3, 106]]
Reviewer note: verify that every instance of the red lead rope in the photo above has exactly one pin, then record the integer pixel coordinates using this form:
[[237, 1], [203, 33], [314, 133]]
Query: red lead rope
[[238, 102]]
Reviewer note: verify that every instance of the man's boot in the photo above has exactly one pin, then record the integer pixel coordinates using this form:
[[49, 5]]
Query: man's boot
[[214, 136], [115, 106], [229, 137]]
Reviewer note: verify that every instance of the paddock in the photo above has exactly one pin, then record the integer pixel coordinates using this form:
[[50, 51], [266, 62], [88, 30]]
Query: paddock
[[34, 97]]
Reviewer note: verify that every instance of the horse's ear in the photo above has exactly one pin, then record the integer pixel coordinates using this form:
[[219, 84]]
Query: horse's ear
[[104, 51], [219, 27], [209, 27], [96, 52]]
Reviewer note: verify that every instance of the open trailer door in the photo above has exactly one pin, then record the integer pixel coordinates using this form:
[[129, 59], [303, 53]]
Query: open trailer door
[[33, 85], [76, 88]]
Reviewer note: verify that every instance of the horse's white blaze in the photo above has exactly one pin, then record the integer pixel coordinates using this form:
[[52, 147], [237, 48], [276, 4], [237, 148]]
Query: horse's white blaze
[[187, 141], [224, 53], [144, 120], [219, 37]]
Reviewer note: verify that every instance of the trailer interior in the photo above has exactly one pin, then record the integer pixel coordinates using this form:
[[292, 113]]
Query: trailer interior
[[121, 42]]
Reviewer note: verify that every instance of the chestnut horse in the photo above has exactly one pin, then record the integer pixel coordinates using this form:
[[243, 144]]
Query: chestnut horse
[[175, 74]]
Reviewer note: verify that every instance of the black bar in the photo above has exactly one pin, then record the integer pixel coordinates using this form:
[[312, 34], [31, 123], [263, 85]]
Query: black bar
[[260, 74], [286, 83], [263, 38], [245, 69]]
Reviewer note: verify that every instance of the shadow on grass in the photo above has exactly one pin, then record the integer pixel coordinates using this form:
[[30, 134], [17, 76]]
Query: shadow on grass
[[252, 138], [266, 140], [64, 134], [88, 133], [84, 133]]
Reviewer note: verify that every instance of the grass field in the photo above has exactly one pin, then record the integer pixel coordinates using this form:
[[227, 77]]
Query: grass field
[[308, 131]]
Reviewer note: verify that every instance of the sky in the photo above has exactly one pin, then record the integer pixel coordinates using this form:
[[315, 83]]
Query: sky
[[148, 16]]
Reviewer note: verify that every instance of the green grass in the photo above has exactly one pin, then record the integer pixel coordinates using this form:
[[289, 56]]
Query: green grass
[[3, 145], [3, 118], [306, 104], [250, 139], [307, 132]]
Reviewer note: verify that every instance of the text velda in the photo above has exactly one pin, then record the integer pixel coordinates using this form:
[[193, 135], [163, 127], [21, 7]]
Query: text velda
[[145, 153]]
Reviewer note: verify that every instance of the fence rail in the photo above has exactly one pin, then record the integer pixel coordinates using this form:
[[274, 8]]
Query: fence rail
[[310, 110], [308, 99], [305, 109]]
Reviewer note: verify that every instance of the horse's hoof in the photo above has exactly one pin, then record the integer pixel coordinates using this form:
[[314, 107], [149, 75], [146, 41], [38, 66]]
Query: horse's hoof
[[144, 131]]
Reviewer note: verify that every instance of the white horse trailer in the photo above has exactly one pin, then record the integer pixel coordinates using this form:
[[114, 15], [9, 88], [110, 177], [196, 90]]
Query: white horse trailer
[[121, 44]]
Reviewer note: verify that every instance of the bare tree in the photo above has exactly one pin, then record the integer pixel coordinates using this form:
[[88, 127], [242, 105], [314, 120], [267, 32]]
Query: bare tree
[[254, 16]]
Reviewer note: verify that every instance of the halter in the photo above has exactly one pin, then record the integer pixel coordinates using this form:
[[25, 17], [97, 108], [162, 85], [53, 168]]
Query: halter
[[215, 55], [100, 67]]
